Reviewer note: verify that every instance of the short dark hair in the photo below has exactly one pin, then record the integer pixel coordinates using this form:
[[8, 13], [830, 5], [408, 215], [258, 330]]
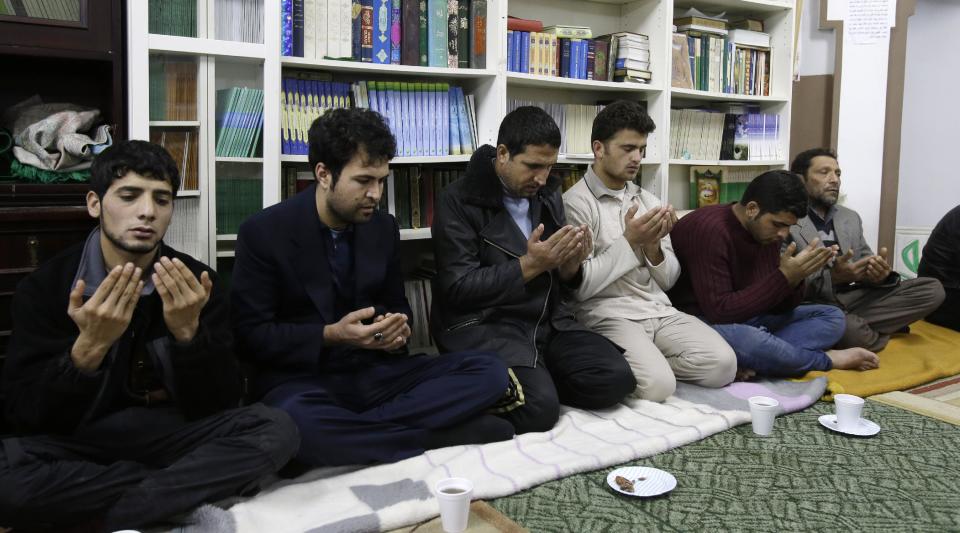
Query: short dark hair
[[145, 158], [776, 191], [621, 115], [340, 134], [527, 126], [801, 163]]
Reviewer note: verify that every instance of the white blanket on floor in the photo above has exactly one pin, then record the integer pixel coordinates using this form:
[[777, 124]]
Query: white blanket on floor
[[394, 495]]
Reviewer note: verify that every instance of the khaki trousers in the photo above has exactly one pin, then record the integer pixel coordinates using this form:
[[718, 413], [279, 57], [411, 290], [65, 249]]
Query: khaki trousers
[[661, 351]]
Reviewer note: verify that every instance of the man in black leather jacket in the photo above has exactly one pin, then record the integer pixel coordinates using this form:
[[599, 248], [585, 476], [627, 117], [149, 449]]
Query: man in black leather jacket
[[504, 258]]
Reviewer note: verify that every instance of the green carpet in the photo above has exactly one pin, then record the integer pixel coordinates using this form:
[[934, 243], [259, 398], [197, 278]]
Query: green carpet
[[801, 478]]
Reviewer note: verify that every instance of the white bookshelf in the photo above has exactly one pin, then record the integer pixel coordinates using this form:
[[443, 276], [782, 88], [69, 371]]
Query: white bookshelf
[[223, 62]]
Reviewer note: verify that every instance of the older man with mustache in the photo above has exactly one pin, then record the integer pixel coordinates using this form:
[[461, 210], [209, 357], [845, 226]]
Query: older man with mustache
[[876, 301]]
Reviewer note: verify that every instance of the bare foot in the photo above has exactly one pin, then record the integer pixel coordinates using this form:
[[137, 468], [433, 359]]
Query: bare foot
[[853, 359], [745, 374]]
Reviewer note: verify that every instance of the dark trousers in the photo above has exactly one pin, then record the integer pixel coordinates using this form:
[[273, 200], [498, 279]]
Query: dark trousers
[[948, 314], [576, 368], [139, 466], [388, 407]]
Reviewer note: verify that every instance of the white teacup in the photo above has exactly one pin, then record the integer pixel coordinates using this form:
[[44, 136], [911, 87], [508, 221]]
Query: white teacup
[[763, 412], [454, 494], [849, 409]]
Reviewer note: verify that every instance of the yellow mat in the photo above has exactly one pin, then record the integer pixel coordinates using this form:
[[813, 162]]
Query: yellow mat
[[929, 352]]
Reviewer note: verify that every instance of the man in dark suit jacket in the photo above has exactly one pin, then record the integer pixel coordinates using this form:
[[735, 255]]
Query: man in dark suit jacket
[[504, 251], [319, 308], [876, 302], [941, 260]]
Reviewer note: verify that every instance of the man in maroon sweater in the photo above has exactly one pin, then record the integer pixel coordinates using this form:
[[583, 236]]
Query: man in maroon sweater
[[735, 278]]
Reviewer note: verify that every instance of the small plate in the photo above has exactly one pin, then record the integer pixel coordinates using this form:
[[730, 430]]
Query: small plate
[[655, 482], [866, 428]]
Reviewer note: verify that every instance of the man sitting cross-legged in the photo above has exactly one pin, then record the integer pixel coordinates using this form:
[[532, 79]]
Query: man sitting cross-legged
[[633, 263], [873, 297], [735, 276], [319, 308], [504, 254], [941, 261], [121, 379]]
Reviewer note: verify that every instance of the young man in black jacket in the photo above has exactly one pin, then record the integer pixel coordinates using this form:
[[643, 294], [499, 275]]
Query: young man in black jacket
[[504, 252], [121, 381]]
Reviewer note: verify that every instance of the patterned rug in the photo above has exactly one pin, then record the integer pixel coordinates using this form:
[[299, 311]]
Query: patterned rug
[[801, 478], [940, 399]]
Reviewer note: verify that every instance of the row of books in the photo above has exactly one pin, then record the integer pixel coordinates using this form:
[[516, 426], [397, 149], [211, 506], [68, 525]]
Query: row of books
[[173, 88], [413, 191], [182, 145], [710, 54], [44, 9], [420, 297], [427, 119], [622, 56], [173, 17], [710, 185], [185, 227], [436, 33], [239, 20], [237, 199], [239, 121], [714, 135], [574, 120]]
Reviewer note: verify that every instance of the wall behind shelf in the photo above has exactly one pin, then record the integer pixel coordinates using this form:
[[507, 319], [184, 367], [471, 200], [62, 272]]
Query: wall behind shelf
[[928, 182]]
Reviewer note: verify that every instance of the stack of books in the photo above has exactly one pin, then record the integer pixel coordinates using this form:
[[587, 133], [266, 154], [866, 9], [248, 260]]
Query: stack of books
[[239, 122], [173, 17], [435, 33], [427, 119]]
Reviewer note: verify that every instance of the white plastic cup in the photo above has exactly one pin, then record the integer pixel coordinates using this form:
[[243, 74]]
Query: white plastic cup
[[454, 494], [763, 411], [849, 409]]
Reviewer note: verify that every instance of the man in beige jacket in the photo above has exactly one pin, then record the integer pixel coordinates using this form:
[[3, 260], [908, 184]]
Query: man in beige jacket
[[622, 295]]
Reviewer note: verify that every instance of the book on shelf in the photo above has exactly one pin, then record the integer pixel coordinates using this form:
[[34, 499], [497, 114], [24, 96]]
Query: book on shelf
[[396, 31], [453, 33], [185, 227], [680, 75], [711, 185], [527, 25], [173, 88], [169, 17], [478, 33], [420, 298], [755, 39], [238, 20], [569, 32], [706, 22], [237, 198], [181, 144], [415, 190], [747, 24], [239, 122]]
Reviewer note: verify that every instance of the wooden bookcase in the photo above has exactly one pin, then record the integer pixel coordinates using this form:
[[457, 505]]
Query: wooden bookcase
[[492, 86]]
